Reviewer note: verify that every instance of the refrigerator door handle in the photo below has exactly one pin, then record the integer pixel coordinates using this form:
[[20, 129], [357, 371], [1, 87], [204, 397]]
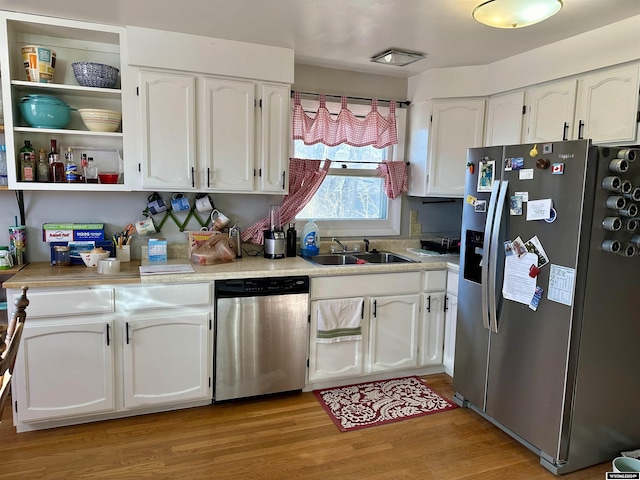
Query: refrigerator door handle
[[493, 255], [486, 258]]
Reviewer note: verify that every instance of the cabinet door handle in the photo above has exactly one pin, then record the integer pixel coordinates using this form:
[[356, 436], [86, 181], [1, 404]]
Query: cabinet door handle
[[127, 331], [193, 178], [208, 178], [108, 339], [429, 304], [580, 127], [362, 311], [375, 307], [565, 130], [446, 307], [283, 177]]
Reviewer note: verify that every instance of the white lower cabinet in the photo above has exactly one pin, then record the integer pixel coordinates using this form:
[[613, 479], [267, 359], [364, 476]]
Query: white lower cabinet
[[95, 353], [451, 315], [432, 333], [64, 370], [165, 359], [393, 335], [334, 360]]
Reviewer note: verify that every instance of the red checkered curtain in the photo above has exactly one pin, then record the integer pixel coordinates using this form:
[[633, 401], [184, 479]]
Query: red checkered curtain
[[305, 177], [396, 181], [375, 129]]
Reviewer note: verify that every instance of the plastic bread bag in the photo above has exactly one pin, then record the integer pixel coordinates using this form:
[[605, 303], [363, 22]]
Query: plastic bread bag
[[216, 249]]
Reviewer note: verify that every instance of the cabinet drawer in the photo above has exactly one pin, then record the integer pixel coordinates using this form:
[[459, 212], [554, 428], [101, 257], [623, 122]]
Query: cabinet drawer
[[165, 296], [374, 284], [55, 303], [434, 281], [452, 283]]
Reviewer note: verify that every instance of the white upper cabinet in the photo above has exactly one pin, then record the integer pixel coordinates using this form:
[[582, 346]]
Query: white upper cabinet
[[550, 112], [504, 119], [227, 134], [457, 125], [213, 134], [168, 118], [440, 131], [419, 127], [607, 106], [275, 136], [72, 42]]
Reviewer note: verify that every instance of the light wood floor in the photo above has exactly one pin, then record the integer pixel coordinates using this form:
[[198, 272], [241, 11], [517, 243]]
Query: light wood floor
[[285, 436]]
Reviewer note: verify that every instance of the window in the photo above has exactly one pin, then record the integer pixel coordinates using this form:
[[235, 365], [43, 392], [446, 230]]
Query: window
[[351, 200]]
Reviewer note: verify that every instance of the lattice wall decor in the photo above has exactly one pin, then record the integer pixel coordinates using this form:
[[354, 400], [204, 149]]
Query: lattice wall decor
[[193, 214]]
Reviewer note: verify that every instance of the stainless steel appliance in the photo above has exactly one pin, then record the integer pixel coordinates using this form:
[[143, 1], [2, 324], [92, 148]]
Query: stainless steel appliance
[[561, 378], [261, 336], [275, 241]]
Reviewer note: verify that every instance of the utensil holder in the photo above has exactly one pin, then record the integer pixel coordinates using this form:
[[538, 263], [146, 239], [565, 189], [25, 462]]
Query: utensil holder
[[123, 253]]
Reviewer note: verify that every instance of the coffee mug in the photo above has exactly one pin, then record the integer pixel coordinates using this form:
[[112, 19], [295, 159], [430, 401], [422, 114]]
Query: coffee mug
[[626, 464], [156, 204], [180, 202], [145, 226], [204, 203], [220, 221]]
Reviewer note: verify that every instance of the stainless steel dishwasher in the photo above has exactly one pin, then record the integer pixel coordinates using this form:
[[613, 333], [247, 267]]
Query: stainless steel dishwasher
[[261, 336]]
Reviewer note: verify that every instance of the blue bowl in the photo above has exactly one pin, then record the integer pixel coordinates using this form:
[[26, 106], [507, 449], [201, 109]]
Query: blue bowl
[[45, 115], [91, 74]]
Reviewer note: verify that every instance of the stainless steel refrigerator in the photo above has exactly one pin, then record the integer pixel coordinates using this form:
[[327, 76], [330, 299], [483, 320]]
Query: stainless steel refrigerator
[[561, 375]]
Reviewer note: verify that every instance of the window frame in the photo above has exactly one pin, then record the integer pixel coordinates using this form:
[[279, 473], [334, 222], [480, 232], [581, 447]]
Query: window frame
[[361, 228]]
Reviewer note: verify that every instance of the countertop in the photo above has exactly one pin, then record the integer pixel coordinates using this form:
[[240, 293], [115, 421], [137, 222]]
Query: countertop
[[42, 274]]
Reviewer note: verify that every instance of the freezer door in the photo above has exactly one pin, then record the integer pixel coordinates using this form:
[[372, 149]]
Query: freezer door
[[472, 327], [528, 374]]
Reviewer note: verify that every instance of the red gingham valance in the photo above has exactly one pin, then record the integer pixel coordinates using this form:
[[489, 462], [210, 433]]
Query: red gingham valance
[[374, 129]]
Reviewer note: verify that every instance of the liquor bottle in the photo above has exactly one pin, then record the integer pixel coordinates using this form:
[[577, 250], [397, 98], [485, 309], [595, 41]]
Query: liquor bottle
[[27, 162], [70, 168], [43, 167], [54, 150], [56, 169], [91, 172]]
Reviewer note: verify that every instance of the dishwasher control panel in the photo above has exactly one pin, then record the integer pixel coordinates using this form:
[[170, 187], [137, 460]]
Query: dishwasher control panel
[[248, 287]]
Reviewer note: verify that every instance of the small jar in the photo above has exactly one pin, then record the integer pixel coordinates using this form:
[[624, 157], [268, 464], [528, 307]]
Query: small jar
[[62, 256]]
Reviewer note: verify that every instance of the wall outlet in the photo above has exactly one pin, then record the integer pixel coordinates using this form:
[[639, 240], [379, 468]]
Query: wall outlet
[[416, 229], [413, 216]]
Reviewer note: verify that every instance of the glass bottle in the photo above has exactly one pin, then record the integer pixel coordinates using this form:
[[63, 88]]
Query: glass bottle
[[27, 162], [70, 168], [54, 150], [56, 169], [91, 173], [43, 167]]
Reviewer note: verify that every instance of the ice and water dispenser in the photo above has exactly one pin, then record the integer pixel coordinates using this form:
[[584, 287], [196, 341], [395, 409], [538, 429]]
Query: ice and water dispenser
[[473, 254]]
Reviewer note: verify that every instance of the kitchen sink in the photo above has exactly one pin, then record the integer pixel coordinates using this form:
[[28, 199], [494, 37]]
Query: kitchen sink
[[351, 259]]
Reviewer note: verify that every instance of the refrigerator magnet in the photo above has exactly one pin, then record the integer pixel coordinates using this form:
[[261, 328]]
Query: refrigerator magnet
[[471, 200], [535, 301], [486, 176], [557, 169], [480, 206], [552, 216], [534, 151], [526, 174], [517, 163], [515, 206]]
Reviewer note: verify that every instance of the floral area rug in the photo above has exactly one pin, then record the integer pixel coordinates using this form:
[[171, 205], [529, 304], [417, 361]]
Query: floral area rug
[[375, 403]]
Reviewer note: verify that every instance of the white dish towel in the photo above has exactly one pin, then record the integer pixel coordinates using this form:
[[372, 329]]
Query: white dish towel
[[339, 320]]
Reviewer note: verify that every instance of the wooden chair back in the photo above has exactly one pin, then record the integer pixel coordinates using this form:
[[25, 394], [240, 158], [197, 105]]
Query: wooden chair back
[[9, 343]]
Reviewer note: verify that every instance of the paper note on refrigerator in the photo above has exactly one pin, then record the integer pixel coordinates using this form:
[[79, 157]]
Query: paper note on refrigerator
[[561, 283], [518, 285], [538, 209]]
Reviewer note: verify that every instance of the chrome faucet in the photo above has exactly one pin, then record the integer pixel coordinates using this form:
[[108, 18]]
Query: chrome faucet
[[344, 248], [366, 245]]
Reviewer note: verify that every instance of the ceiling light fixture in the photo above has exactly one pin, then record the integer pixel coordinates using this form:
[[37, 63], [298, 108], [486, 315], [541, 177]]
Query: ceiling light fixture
[[515, 13], [397, 57]]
